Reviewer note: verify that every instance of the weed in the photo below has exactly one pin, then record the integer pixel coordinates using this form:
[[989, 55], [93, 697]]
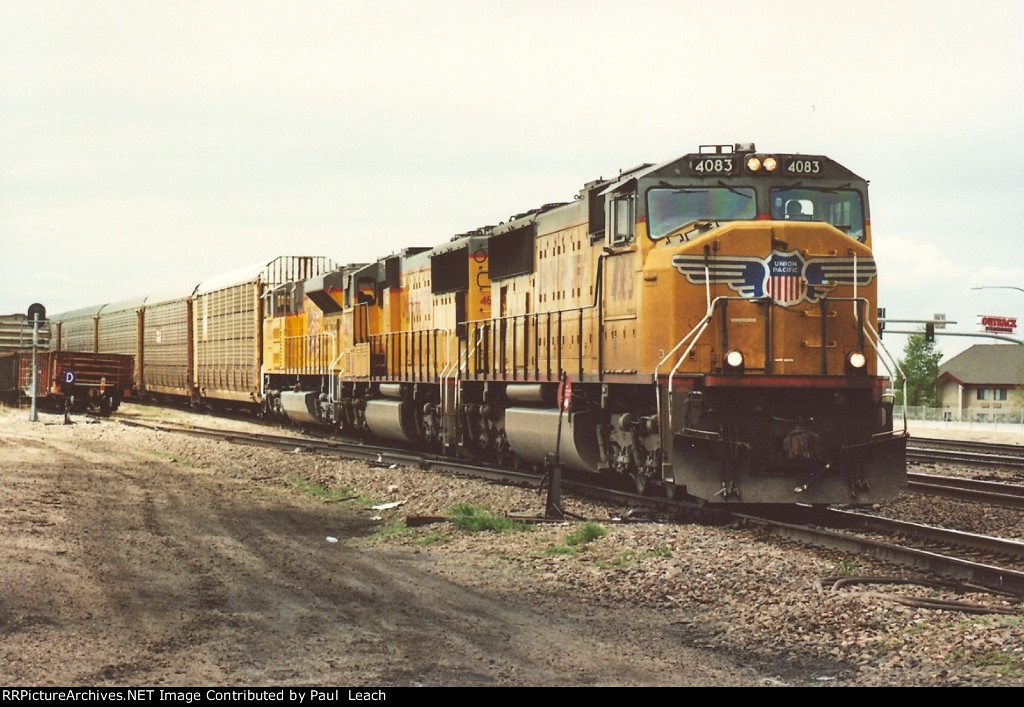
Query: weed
[[476, 518], [431, 539], [387, 531], [1006, 664], [623, 560], [846, 567], [311, 488], [586, 533]]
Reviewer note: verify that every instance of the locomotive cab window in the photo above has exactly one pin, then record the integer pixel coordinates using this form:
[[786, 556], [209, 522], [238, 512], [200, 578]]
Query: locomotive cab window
[[672, 209], [838, 207], [281, 302], [623, 217]]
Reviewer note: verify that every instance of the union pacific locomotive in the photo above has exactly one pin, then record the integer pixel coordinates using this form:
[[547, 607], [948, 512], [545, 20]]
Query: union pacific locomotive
[[706, 325]]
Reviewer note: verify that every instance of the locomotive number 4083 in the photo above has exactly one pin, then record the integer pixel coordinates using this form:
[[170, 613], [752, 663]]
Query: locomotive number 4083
[[804, 167], [713, 165]]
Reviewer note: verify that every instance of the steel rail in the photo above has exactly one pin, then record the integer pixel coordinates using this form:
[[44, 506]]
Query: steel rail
[[990, 577], [988, 492]]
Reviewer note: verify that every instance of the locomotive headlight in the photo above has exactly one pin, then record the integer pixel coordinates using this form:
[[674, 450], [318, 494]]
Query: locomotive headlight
[[856, 362], [734, 361], [753, 163], [770, 164]]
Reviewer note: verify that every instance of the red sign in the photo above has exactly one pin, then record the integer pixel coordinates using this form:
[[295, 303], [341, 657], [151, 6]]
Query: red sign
[[565, 394], [996, 325]]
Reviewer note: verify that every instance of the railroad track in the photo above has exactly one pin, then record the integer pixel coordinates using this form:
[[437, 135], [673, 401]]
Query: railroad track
[[976, 491], [336, 446], [967, 452], [990, 563]]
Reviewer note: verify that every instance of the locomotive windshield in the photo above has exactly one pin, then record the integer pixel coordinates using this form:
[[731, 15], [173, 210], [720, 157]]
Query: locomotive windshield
[[671, 208], [838, 207]]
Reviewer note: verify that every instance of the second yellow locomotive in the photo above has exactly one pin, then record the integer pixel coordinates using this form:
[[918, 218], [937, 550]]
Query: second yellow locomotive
[[707, 325]]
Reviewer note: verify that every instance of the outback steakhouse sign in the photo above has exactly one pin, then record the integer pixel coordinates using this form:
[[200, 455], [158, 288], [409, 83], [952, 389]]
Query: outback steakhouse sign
[[997, 325]]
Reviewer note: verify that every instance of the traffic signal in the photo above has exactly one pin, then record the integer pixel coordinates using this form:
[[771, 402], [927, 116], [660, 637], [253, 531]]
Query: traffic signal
[[929, 331]]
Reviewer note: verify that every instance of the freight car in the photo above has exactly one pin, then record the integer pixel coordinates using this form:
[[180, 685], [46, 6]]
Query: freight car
[[16, 333], [68, 380], [707, 325], [202, 343]]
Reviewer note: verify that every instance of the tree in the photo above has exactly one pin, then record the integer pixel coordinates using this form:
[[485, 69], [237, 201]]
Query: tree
[[920, 365]]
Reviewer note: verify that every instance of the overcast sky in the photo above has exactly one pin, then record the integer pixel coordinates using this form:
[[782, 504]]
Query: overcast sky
[[145, 146]]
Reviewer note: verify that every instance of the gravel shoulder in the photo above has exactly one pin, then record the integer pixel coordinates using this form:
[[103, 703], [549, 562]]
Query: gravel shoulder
[[133, 557]]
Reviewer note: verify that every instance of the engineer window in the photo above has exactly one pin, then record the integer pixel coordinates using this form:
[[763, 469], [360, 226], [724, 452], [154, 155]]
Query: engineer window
[[840, 207], [672, 209], [622, 218]]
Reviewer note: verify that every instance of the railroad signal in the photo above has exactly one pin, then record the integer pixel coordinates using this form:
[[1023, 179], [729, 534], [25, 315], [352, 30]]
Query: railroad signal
[[36, 309], [37, 315]]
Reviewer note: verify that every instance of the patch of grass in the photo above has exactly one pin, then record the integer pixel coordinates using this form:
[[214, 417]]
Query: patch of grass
[[432, 538], [477, 518], [588, 532], [621, 561], [1007, 664], [846, 567], [399, 528], [311, 488]]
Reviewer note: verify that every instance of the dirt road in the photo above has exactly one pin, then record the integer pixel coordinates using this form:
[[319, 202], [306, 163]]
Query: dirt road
[[123, 564]]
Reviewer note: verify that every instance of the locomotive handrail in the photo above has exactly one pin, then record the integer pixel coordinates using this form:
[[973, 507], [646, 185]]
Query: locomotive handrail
[[490, 327], [895, 364], [328, 335], [456, 367], [705, 320], [331, 396], [418, 368], [702, 326]]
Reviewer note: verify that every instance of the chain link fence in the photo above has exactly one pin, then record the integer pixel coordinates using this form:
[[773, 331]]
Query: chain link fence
[[1004, 419]]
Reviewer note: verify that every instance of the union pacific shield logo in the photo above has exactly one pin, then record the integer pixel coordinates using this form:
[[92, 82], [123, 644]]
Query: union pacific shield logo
[[785, 277]]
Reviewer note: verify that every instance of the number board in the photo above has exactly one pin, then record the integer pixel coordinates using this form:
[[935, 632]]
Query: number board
[[803, 166], [714, 165]]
